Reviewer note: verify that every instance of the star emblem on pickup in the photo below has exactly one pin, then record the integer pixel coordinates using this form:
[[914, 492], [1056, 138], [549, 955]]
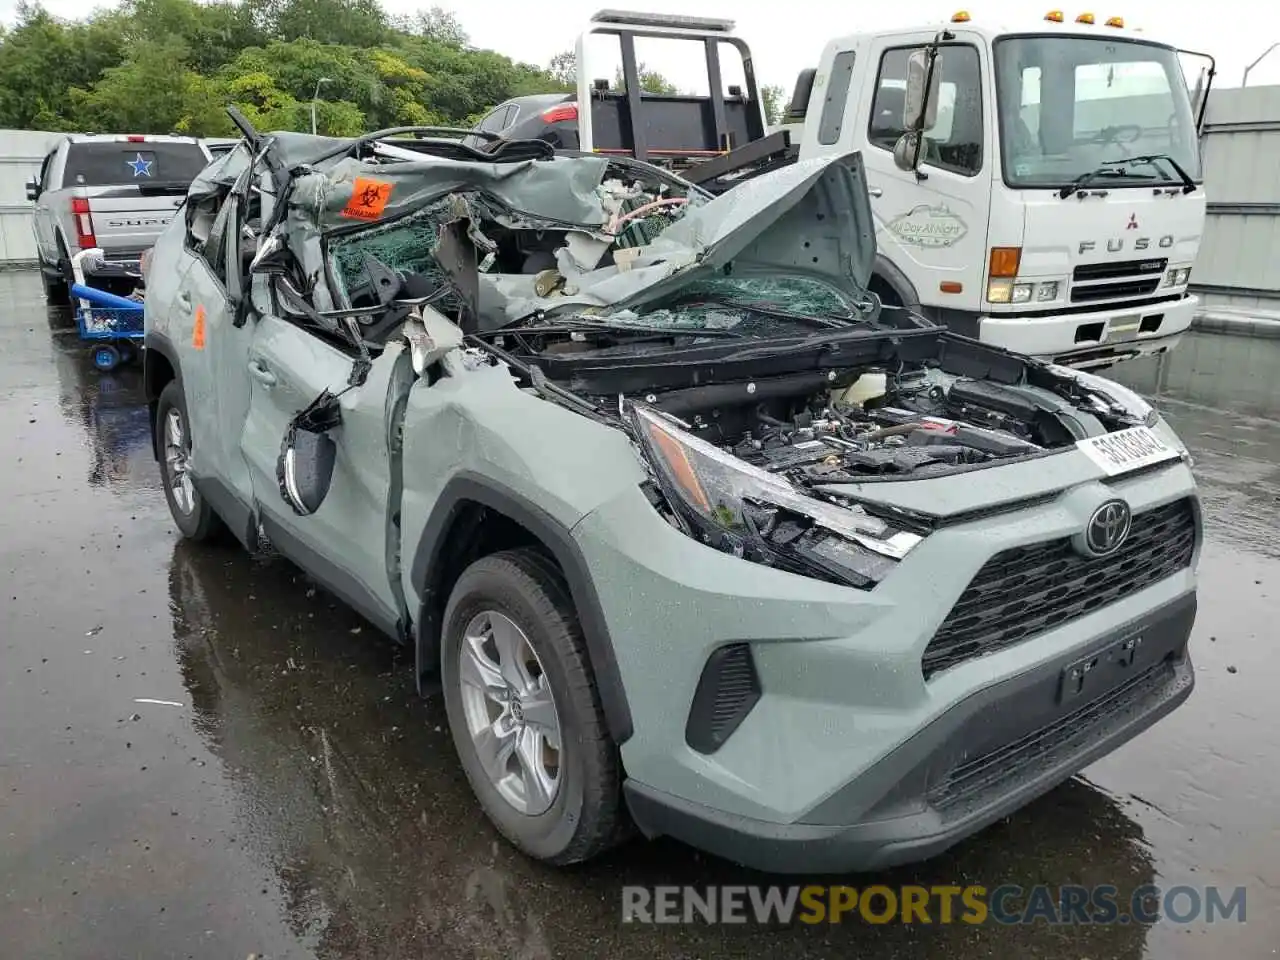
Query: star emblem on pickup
[[141, 168]]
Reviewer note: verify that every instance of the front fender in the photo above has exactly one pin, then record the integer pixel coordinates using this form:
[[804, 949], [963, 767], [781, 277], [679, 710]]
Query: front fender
[[475, 439]]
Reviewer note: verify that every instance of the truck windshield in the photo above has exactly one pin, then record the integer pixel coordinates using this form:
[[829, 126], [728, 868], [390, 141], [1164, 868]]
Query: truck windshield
[[1071, 104]]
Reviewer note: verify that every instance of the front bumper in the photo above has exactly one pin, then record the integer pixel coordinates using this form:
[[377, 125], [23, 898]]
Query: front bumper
[[1096, 338], [983, 759], [847, 740]]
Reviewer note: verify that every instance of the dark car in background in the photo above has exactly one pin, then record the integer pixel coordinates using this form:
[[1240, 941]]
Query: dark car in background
[[543, 116]]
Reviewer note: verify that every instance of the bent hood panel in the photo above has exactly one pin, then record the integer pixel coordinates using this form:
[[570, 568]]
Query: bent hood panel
[[813, 218]]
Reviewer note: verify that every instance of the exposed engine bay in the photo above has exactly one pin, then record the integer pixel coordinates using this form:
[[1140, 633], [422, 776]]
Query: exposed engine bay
[[877, 425]]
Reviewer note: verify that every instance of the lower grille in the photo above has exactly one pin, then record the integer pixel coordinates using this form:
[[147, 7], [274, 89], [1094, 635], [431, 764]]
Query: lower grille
[[1023, 592], [987, 774]]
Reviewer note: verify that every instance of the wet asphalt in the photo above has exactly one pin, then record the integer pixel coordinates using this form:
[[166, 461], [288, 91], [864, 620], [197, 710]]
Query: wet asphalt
[[293, 797]]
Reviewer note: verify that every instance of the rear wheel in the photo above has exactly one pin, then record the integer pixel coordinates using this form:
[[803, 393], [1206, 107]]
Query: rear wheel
[[524, 712], [55, 287], [193, 516]]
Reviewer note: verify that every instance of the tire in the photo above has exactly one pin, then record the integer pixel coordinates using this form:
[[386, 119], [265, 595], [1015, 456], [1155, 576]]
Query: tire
[[106, 357], [56, 292], [585, 815], [197, 521]]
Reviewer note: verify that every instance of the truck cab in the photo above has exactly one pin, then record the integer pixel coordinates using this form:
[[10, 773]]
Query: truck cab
[[1039, 189]]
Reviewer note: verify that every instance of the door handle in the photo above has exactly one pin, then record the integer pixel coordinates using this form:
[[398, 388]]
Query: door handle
[[875, 191], [184, 299], [260, 373]]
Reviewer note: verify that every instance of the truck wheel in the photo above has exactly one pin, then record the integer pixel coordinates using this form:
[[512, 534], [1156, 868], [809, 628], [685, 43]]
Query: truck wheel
[[524, 711], [56, 292], [195, 519]]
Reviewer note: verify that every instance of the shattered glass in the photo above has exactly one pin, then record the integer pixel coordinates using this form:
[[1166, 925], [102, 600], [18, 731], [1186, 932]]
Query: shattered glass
[[737, 295], [406, 245]]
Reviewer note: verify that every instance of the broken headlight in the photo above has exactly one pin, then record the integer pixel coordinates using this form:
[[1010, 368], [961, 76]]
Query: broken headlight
[[747, 511]]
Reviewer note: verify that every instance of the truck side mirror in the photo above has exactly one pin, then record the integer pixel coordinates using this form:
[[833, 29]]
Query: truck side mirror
[[920, 107], [904, 151], [33, 189]]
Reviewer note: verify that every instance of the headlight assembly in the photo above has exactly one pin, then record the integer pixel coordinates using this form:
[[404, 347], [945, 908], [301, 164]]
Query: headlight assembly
[[757, 515]]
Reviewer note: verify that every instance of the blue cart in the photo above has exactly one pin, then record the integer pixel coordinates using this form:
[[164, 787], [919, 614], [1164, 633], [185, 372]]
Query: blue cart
[[113, 324], [115, 332]]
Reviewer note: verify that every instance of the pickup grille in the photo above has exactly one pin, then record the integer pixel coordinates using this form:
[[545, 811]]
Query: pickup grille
[[1026, 591]]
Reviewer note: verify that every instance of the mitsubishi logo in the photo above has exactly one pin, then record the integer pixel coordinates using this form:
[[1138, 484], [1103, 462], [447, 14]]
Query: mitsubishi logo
[[1133, 222], [1107, 529]]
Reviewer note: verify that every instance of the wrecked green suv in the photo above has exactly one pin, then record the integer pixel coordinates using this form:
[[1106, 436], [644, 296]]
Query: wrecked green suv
[[692, 534]]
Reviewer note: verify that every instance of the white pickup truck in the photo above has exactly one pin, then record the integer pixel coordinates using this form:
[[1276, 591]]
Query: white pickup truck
[[115, 193]]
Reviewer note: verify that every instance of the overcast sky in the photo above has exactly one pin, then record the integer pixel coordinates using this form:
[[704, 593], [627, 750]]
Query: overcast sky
[[786, 37]]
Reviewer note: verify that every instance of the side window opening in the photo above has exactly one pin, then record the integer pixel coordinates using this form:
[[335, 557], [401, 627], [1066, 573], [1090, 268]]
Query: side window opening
[[955, 141], [44, 170], [207, 219], [837, 99]]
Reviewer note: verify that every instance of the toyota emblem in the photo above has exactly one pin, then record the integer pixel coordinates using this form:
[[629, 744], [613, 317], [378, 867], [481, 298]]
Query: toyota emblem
[[1108, 528]]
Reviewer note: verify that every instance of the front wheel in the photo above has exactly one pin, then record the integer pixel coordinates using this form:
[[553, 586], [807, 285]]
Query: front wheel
[[524, 711], [194, 517]]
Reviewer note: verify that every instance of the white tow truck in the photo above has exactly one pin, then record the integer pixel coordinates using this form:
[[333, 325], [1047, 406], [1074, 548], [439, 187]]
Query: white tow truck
[[1038, 188]]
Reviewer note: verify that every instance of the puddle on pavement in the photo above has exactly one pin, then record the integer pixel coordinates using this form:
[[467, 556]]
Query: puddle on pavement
[[344, 787]]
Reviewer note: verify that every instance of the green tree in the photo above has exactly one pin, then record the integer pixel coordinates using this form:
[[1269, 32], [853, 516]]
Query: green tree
[[155, 66], [434, 24], [42, 56], [356, 23], [773, 99], [563, 70], [153, 91]]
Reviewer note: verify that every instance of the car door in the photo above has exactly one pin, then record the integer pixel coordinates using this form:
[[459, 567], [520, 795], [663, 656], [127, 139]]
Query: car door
[[325, 499], [213, 349]]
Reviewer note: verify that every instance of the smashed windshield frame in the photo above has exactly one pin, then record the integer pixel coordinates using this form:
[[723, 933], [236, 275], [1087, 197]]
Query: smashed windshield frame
[[625, 271], [1108, 100]]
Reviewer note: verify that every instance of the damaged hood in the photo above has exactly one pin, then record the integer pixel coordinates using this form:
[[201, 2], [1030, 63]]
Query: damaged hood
[[811, 219]]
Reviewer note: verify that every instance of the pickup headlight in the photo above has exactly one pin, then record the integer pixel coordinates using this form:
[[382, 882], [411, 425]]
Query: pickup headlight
[[757, 515]]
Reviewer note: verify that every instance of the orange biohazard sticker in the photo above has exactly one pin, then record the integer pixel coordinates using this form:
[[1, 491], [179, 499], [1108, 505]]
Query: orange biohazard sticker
[[368, 199], [197, 334]]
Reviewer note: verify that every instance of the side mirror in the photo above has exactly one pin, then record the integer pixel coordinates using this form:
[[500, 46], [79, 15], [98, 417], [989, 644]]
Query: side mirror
[[305, 469], [33, 189], [920, 106], [904, 151]]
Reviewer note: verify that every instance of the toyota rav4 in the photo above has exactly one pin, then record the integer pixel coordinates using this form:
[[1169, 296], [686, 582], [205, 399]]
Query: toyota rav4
[[690, 532]]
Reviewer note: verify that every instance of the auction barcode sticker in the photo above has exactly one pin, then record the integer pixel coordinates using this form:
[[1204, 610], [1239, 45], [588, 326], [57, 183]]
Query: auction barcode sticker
[[1126, 450]]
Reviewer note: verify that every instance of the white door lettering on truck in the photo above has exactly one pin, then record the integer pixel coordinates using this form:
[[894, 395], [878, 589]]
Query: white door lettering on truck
[[928, 226]]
